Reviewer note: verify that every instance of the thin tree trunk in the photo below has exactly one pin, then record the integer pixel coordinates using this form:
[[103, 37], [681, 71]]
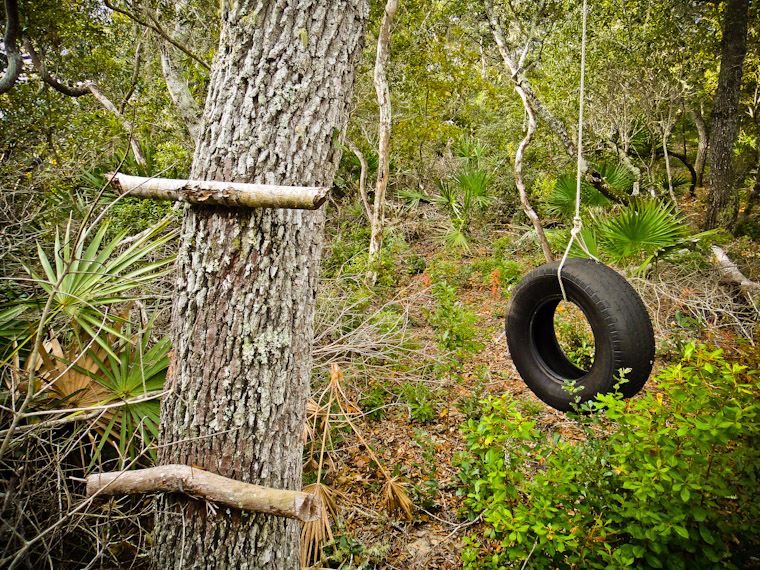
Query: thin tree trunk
[[522, 87], [723, 201], [702, 138], [384, 139], [242, 321], [527, 208], [755, 194], [668, 173], [362, 177], [179, 91], [692, 172]]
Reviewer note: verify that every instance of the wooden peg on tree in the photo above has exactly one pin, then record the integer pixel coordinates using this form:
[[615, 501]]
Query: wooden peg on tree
[[202, 484]]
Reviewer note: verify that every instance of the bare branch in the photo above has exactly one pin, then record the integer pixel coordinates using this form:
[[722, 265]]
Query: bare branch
[[156, 27], [211, 192], [15, 61], [202, 484]]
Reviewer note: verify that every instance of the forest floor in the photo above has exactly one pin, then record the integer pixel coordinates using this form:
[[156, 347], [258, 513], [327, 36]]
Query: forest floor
[[422, 453]]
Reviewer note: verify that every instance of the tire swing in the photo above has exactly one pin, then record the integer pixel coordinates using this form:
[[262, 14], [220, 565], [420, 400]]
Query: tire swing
[[622, 330], [623, 336]]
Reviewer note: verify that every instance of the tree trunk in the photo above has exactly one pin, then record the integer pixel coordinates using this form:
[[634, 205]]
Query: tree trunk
[[755, 194], [176, 84], [11, 41], [530, 103], [242, 321], [702, 138], [384, 140], [723, 201], [362, 177]]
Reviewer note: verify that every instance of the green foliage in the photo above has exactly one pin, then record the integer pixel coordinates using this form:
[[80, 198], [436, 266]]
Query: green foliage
[[574, 335], [85, 281], [421, 401], [373, 403], [677, 179], [496, 274], [136, 370], [643, 231], [561, 200], [467, 195], [348, 256], [668, 480], [454, 324]]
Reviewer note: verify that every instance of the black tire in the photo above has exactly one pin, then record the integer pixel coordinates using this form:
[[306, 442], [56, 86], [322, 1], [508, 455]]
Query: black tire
[[622, 330]]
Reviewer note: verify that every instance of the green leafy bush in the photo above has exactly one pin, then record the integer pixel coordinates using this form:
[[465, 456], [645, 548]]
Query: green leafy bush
[[454, 324], [668, 480]]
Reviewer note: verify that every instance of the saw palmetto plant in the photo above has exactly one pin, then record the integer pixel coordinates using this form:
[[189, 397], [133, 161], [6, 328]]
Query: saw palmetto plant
[[87, 278], [115, 392]]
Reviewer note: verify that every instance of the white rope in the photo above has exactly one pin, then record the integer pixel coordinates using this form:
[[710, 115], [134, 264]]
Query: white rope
[[575, 233]]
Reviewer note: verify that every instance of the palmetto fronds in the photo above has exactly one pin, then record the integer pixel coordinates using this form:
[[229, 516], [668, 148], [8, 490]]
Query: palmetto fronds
[[86, 279]]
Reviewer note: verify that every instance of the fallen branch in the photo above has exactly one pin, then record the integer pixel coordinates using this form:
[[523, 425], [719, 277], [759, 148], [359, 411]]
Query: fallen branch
[[730, 274], [211, 192], [201, 484]]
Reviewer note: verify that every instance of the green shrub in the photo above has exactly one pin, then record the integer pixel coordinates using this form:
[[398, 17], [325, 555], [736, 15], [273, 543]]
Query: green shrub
[[668, 480], [454, 324], [421, 401], [497, 274]]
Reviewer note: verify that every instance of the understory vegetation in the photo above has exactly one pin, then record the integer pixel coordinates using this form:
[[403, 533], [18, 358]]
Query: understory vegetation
[[426, 448]]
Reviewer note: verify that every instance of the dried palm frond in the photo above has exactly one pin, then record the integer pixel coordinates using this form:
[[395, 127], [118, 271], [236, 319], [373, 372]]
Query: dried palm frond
[[395, 498], [316, 533]]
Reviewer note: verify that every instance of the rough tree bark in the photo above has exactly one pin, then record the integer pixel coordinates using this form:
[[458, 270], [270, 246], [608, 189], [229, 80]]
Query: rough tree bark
[[384, 139], [242, 320], [723, 201]]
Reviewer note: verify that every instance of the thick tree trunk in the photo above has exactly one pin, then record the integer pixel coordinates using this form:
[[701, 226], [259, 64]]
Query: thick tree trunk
[[242, 321], [384, 139], [723, 201], [702, 138]]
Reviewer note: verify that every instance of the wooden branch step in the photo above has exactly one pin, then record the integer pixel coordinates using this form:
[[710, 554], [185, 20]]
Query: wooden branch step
[[210, 192], [201, 484]]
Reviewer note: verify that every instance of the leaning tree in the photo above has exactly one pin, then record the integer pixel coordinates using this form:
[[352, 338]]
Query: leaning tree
[[244, 302]]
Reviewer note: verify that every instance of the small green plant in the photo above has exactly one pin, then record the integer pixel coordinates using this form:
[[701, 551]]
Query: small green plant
[[374, 402], [453, 323], [667, 480], [561, 200], [574, 335], [416, 264], [421, 401], [470, 404]]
